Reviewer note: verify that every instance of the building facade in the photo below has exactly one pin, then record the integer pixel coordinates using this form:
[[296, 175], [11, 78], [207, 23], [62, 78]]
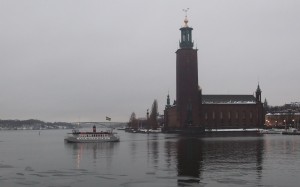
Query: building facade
[[283, 119], [194, 110]]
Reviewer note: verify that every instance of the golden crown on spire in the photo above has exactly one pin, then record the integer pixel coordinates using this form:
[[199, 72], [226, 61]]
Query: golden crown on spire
[[185, 19]]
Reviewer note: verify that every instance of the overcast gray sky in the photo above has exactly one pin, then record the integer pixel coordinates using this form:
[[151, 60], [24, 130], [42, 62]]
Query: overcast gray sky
[[70, 60]]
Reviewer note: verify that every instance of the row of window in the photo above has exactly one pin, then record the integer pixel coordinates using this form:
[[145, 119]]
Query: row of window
[[95, 138], [229, 125], [229, 115], [186, 36], [93, 135]]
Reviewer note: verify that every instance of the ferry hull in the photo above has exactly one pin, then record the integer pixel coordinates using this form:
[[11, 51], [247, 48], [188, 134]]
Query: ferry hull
[[91, 140]]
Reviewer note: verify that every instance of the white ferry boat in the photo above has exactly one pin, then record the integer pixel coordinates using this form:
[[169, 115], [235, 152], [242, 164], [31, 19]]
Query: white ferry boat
[[85, 137]]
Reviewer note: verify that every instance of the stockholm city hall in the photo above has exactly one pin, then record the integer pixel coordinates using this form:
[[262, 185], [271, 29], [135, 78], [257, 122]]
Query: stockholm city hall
[[195, 111]]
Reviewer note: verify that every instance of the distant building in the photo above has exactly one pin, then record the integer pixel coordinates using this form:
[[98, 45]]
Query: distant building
[[285, 116], [283, 119], [194, 110]]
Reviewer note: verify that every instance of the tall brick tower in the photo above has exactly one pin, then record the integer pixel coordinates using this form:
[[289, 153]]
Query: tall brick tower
[[187, 89]]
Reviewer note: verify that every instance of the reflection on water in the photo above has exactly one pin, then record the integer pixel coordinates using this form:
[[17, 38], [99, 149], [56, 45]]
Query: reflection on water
[[190, 157], [200, 158], [242, 156], [194, 159], [153, 150], [28, 159], [93, 151]]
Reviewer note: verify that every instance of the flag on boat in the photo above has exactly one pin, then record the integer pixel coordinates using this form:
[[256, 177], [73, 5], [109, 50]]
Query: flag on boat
[[108, 118]]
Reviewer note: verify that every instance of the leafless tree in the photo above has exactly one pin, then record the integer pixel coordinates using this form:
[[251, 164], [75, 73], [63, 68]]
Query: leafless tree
[[153, 115], [133, 123]]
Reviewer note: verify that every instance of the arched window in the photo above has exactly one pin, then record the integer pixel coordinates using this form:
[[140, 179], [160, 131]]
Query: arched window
[[244, 115]]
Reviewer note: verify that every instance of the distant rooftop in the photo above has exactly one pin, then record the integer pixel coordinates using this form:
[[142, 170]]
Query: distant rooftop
[[228, 99], [284, 113]]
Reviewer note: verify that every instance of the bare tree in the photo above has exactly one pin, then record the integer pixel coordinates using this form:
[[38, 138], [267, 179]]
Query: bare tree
[[153, 116], [133, 123]]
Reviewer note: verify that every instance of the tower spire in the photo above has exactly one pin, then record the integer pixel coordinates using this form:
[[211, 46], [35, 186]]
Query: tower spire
[[258, 94], [186, 33], [186, 20], [168, 101]]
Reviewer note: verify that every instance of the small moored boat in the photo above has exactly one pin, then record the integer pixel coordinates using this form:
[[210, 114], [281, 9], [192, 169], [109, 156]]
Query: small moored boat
[[85, 137], [270, 131], [291, 131]]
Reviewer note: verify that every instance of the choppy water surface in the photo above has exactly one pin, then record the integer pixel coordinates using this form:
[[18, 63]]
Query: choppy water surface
[[30, 159]]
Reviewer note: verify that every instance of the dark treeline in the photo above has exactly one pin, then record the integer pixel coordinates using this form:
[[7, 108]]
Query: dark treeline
[[293, 107], [151, 121], [33, 124]]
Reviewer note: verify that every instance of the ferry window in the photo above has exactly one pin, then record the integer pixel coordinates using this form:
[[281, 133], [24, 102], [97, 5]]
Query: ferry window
[[229, 115], [237, 115], [250, 115], [221, 115], [205, 115], [213, 115]]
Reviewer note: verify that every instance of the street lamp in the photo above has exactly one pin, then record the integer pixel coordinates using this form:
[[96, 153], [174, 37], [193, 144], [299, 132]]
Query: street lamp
[[294, 123], [284, 124]]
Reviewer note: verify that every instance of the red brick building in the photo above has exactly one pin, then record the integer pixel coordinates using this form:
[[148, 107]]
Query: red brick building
[[194, 110]]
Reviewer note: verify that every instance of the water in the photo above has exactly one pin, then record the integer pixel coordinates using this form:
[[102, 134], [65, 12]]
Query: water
[[30, 159]]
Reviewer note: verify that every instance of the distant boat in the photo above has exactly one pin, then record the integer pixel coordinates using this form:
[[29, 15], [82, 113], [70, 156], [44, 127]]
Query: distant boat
[[291, 131], [132, 130], [121, 129], [271, 131], [86, 137]]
